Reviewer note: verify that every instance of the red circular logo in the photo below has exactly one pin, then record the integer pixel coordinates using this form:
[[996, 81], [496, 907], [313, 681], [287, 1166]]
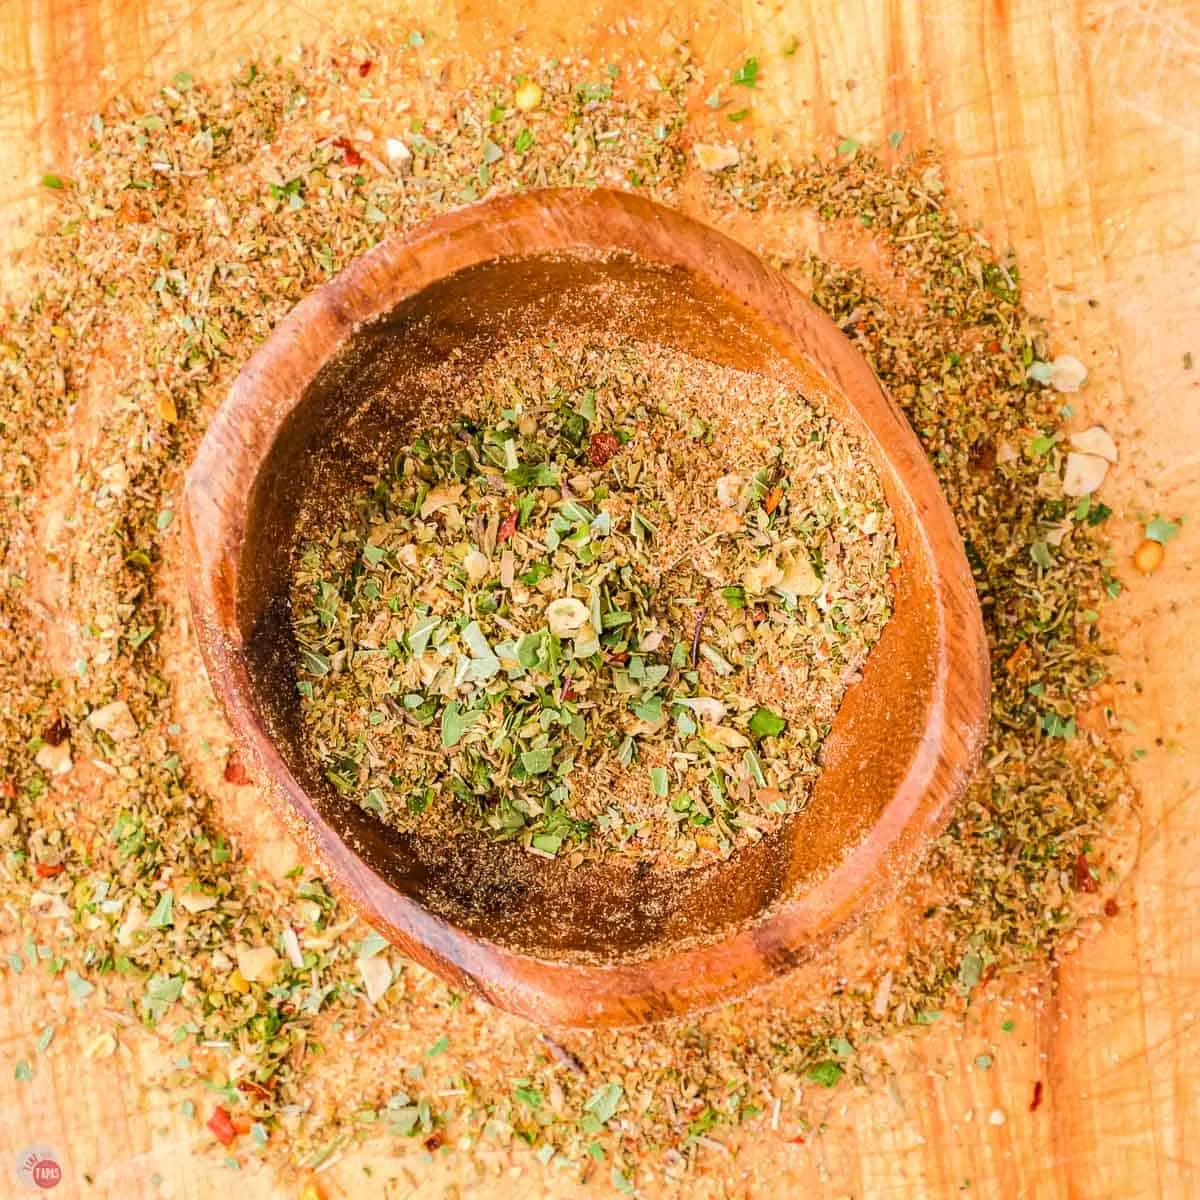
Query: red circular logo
[[39, 1166], [47, 1173]]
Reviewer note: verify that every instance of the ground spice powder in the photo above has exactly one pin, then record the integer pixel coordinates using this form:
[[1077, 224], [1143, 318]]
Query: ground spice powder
[[634, 653]]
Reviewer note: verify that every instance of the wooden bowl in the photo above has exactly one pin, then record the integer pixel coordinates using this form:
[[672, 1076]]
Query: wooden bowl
[[332, 389]]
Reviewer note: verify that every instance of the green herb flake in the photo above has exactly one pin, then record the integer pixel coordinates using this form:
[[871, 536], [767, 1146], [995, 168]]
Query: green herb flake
[[418, 637], [1055, 725], [371, 945], [313, 661], [161, 991], [1161, 530], [601, 1106], [766, 723], [456, 723], [970, 970], [747, 74], [79, 987], [163, 915], [138, 635], [537, 762], [826, 1073]]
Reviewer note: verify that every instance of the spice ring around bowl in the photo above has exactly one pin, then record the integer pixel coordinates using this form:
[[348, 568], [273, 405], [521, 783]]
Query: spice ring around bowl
[[600, 943]]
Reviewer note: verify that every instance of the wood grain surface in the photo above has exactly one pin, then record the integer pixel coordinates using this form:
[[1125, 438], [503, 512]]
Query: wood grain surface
[[1072, 131]]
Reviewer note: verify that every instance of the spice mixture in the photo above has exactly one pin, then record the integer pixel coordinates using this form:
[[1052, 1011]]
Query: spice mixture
[[194, 220], [614, 604]]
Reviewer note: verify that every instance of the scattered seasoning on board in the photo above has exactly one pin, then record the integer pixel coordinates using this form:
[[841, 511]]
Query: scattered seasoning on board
[[633, 647], [194, 220]]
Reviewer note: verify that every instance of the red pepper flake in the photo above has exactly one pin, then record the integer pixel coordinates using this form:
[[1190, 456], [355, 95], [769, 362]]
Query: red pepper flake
[[992, 347], [435, 1141], [1111, 907], [568, 692], [1036, 1102], [249, 1088], [235, 771], [8, 790], [364, 68], [350, 156], [602, 447], [773, 500], [222, 1126], [798, 1140], [507, 528], [1085, 881], [48, 870]]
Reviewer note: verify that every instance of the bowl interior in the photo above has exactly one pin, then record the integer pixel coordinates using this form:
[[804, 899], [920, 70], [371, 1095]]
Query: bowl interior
[[366, 403]]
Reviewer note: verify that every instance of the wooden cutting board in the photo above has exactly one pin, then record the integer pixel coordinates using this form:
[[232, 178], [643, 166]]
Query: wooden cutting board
[[1070, 130]]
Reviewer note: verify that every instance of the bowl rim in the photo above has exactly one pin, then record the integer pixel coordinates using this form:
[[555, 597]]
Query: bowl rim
[[217, 493]]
